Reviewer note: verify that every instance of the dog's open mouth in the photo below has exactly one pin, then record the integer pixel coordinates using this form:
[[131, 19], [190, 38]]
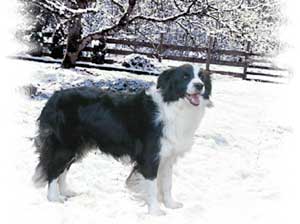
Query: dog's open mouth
[[194, 99]]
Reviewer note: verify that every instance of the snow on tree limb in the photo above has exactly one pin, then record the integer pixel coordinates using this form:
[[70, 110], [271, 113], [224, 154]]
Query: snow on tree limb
[[59, 7], [122, 22], [119, 5], [234, 7], [187, 12], [125, 20], [231, 20]]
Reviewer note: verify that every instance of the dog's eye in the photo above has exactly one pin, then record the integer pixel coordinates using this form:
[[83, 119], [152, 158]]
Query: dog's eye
[[185, 76]]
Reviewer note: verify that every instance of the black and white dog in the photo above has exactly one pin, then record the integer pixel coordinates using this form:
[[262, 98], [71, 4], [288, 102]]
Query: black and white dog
[[153, 127]]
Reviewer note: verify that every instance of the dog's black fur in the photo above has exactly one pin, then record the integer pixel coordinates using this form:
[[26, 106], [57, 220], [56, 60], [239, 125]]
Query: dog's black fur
[[76, 119]]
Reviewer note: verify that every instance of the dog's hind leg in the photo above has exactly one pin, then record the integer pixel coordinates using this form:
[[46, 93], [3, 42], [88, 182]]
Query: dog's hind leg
[[143, 181], [63, 187], [57, 167], [53, 192]]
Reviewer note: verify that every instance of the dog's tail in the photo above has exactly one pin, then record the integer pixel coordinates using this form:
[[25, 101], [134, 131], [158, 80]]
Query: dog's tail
[[39, 177], [50, 125]]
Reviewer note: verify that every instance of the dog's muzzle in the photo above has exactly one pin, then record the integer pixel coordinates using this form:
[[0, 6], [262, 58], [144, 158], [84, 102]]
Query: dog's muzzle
[[194, 98]]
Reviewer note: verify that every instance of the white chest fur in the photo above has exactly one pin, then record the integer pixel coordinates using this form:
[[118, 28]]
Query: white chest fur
[[180, 120]]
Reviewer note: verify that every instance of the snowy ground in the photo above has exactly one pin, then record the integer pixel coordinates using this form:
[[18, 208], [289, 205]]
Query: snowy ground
[[226, 178]]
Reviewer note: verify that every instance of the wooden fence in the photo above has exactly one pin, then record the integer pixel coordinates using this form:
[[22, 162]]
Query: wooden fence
[[252, 66]]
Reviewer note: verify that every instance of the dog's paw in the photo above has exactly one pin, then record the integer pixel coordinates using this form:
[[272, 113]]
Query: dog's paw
[[173, 204]]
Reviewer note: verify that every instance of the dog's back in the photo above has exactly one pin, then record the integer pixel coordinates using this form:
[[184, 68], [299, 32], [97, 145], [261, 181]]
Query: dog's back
[[78, 119]]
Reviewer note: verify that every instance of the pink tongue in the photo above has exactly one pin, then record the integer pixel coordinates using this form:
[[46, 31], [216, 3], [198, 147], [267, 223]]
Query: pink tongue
[[195, 99]]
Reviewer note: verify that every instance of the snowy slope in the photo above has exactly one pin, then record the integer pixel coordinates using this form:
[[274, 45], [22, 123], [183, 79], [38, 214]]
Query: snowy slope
[[226, 178]]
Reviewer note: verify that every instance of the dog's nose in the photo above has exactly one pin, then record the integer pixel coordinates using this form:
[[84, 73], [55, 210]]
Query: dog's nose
[[198, 86]]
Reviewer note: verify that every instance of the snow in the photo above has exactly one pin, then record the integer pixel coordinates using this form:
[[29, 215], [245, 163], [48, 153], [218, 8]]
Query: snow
[[228, 177]]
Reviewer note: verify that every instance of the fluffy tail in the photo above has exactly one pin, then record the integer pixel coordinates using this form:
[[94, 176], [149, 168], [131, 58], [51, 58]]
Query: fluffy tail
[[39, 178], [50, 123], [40, 175]]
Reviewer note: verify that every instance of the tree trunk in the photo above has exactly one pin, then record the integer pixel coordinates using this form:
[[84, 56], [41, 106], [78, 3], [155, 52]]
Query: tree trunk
[[73, 42], [74, 35]]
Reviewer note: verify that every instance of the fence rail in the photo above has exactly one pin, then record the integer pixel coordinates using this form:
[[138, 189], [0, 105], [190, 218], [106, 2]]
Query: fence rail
[[250, 63]]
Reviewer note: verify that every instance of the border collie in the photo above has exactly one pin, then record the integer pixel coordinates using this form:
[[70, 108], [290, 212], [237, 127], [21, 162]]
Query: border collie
[[153, 127]]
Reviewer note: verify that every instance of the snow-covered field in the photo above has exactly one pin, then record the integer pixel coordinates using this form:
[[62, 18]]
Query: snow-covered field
[[228, 177]]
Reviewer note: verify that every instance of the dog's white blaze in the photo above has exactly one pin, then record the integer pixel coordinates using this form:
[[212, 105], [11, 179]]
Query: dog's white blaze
[[180, 120], [191, 88]]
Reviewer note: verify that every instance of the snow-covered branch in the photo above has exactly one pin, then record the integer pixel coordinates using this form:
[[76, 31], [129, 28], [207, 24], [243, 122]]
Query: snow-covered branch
[[230, 20], [119, 5], [177, 6], [234, 7], [186, 31], [122, 22], [60, 8], [185, 13], [125, 20]]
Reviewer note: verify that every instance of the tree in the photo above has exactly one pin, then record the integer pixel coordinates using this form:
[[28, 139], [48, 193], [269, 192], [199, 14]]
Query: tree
[[38, 21], [226, 19], [74, 32], [127, 14]]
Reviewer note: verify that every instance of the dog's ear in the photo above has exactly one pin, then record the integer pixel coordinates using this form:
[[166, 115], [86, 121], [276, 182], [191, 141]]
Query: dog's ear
[[167, 86], [163, 79], [207, 83]]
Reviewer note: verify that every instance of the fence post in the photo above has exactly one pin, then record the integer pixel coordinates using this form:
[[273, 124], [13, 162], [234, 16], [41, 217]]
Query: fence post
[[246, 62], [210, 42], [160, 48]]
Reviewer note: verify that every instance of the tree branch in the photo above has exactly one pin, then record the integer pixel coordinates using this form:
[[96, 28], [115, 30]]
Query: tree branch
[[119, 5], [234, 7], [187, 12], [123, 21], [232, 31], [62, 10], [177, 6], [186, 31]]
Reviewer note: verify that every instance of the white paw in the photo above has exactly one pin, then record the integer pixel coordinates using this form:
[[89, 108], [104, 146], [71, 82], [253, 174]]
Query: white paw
[[173, 204], [57, 198], [157, 212]]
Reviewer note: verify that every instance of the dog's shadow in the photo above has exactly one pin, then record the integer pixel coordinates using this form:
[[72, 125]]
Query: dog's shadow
[[217, 138]]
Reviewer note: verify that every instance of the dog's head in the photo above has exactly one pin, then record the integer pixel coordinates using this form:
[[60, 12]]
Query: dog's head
[[185, 82]]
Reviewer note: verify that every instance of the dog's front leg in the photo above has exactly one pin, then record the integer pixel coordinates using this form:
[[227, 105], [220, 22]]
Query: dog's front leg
[[144, 184], [165, 184], [152, 198]]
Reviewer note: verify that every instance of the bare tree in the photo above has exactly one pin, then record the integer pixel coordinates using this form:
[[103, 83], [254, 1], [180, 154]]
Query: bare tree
[[74, 33], [73, 10], [254, 20]]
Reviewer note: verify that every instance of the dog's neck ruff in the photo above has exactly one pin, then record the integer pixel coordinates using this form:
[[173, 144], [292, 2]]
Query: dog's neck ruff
[[180, 120]]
